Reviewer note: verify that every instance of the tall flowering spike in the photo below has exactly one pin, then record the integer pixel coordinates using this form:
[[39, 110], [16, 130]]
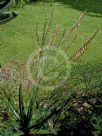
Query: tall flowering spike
[[77, 24], [84, 47], [73, 29]]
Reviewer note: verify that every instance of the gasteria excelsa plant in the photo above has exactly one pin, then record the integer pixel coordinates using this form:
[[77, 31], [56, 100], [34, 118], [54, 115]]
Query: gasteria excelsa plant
[[32, 120], [32, 117]]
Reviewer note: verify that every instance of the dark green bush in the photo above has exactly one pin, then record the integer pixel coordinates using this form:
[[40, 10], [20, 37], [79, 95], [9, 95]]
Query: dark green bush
[[82, 114]]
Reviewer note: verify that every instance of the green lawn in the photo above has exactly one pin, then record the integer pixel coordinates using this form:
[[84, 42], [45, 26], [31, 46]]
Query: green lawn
[[17, 36]]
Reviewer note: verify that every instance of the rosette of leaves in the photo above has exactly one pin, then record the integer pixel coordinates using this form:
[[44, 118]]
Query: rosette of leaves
[[31, 119]]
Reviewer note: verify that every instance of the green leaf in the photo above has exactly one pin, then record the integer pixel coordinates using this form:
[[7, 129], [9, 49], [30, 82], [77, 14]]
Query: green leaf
[[21, 104], [45, 131], [18, 134], [30, 107]]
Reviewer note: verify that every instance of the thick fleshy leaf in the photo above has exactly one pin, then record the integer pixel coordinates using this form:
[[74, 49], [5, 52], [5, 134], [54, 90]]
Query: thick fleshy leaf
[[30, 107], [21, 104], [45, 131]]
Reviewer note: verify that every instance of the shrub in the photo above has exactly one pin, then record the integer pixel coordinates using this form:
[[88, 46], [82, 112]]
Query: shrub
[[21, 3], [82, 115]]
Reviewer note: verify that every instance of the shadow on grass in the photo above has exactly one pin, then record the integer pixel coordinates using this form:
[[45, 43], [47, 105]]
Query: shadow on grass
[[93, 7]]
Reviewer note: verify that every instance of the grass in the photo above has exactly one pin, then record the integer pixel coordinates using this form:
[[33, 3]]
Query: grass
[[17, 37]]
